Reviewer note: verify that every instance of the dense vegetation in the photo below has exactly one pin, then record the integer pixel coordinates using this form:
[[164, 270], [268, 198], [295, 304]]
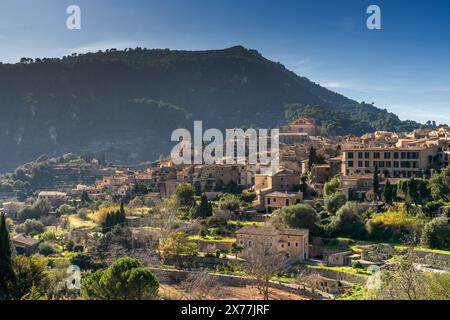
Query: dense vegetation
[[344, 119], [48, 173], [116, 100]]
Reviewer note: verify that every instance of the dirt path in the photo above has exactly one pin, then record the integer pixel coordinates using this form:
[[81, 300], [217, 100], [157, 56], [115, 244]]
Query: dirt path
[[230, 293]]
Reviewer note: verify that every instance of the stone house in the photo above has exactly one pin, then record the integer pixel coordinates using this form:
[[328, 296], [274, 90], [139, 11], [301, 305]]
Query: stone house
[[302, 124], [282, 181], [338, 258], [292, 244], [277, 200], [325, 284], [55, 198], [25, 245]]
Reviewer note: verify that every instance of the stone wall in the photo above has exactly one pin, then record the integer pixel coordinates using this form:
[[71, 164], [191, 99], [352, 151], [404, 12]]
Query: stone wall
[[339, 275], [175, 276]]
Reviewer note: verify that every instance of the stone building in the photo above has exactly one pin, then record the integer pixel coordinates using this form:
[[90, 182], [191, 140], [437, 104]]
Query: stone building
[[292, 244], [277, 200], [404, 162]]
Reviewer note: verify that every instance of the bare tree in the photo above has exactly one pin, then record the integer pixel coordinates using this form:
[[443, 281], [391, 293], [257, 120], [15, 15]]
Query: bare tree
[[303, 277], [403, 280], [200, 286], [263, 263]]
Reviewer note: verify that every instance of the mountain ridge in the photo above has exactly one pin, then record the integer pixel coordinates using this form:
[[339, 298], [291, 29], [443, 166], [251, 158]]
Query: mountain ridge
[[125, 103]]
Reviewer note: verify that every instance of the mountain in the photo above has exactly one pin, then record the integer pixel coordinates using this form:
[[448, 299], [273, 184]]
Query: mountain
[[126, 103]]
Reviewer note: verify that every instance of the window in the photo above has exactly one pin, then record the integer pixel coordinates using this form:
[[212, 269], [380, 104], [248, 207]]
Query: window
[[289, 244], [367, 155], [367, 164], [249, 243], [360, 155], [350, 155], [287, 202], [387, 155], [376, 155], [396, 164], [350, 164], [296, 244], [360, 164], [395, 155]]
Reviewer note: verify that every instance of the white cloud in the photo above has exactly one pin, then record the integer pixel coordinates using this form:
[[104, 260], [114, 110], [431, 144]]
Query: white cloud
[[338, 85]]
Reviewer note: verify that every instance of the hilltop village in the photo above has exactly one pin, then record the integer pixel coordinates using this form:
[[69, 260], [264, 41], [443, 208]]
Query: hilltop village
[[339, 212]]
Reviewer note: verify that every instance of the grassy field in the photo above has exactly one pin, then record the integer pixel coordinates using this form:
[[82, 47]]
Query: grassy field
[[349, 270], [77, 223], [247, 223], [209, 238]]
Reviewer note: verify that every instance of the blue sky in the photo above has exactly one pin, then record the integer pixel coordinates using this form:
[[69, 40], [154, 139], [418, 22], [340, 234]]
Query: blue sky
[[404, 67]]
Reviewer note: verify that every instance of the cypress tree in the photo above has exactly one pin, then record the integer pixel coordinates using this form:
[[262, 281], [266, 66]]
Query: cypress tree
[[388, 195], [6, 262], [312, 159], [376, 184], [121, 216], [203, 210]]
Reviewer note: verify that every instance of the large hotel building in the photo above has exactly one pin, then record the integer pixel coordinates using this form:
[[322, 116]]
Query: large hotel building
[[391, 161]]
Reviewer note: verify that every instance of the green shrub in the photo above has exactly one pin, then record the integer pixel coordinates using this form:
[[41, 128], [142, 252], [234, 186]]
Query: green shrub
[[31, 227], [347, 222], [335, 201], [436, 234], [46, 248]]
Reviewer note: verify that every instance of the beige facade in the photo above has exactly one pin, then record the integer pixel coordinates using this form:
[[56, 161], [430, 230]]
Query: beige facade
[[359, 182], [293, 137], [292, 244], [167, 188], [324, 284], [283, 180], [277, 200], [391, 161], [55, 198], [206, 176], [303, 124]]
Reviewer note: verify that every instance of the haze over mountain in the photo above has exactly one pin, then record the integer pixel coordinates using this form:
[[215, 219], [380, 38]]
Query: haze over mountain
[[126, 103]]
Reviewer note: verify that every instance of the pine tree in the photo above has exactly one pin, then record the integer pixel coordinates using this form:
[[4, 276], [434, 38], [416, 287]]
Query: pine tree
[[6, 262]]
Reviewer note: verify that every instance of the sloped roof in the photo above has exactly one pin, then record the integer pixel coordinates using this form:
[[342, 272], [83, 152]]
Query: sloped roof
[[283, 194], [25, 240]]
